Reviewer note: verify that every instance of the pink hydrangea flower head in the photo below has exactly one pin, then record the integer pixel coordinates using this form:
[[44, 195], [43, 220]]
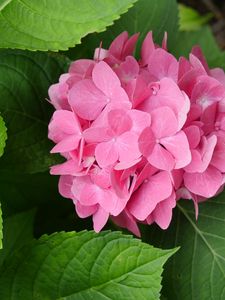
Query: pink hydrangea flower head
[[138, 135]]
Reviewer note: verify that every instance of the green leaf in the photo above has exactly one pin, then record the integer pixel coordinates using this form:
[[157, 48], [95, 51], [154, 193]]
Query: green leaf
[[24, 81], [158, 16], [21, 193], [190, 19], [197, 271], [84, 265], [1, 226], [203, 38], [55, 24], [3, 135], [39, 191], [18, 230]]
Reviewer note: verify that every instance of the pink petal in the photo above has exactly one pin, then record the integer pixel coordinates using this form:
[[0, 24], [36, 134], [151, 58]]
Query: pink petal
[[70, 167], [193, 135], [218, 159], [67, 144], [127, 145], [58, 93], [120, 185], [163, 64], [207, 91], [169, 94], [178, 146], [161, 158], [86, 100], [140, 120], [129, 45], [85, 211], [197, 52], [137, 90], [196, 63], [63, 123], [194, 114], [65, 185], [92, 194], [205, 184], [126, 165], [150, 193], [218, 74], [164, 41], [146, 142], [119, 121], [78, 185], [117, 45], [162, 214], [119, 100], [128, 69], [196, 162], [105, 78], [100, 218], [147, 49], [200, 161], [100, 54], [189, 79], [106, 153], [97, 134], [126, 220], [81, 66], [184, 67], [101, 177], [164, 122], [146, 173], [176, 177]]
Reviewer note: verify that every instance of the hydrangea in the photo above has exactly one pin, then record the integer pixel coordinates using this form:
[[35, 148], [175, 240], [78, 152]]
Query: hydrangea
[[138, 135]]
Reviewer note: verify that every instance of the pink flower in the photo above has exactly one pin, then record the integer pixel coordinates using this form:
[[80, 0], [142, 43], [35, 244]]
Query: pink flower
[[138, 135]]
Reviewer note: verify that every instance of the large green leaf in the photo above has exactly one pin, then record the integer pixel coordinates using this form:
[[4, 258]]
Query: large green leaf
[[18, 230], [84, 265], [55, 24], [1, 235], [24, 81], [197, 271], [21, 193], [203, 38], [3, 135], [158, 16], [190, 19], [40, 191]]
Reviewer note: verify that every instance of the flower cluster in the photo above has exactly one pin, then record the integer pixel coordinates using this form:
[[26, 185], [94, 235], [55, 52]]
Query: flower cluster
[[138, 135]]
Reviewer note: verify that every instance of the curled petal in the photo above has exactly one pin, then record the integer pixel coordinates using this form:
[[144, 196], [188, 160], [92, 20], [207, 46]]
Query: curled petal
[[150, 193]]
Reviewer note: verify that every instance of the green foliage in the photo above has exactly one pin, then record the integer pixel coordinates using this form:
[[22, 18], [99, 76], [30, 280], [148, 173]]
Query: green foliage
[[197, 271], [3, 135], [204, 38], [55, 24], [18, 230], [24, 81], [84, 265], [190, 19], [143, 17], [1, 225]]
